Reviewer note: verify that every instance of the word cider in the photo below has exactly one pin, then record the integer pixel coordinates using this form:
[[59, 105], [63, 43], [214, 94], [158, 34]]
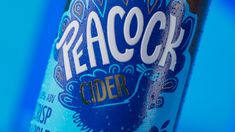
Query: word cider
[[119, 66]]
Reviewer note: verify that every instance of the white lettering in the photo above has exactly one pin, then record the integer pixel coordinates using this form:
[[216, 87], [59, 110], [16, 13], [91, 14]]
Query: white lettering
[[93, 22], [99, 38], [169, 49], [122, 57], [149, 59], [76, 56], [140, 25], [73, 26]]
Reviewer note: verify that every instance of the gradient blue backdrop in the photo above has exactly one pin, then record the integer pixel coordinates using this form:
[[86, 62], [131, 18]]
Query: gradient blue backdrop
[[28, 29]]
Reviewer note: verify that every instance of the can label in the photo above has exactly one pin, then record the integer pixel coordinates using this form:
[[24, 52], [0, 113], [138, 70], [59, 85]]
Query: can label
[[117, 66]]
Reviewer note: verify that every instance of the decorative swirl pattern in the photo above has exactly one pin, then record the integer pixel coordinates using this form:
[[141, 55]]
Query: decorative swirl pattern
[[59, 76], [114, 69], [65, 22], [69, 97], [129, 69]]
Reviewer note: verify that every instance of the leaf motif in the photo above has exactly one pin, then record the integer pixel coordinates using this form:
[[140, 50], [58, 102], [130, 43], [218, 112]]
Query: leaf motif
[[78, 10], [101, 6], [126, 2], [170, 85], [154, 129], [151, 5], [165, 124]]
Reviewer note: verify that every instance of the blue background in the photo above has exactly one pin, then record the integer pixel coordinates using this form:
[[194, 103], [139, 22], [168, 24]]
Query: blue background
[[28, 29]]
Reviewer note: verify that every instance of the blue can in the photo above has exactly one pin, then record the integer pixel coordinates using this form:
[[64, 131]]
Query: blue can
[[119, 65]]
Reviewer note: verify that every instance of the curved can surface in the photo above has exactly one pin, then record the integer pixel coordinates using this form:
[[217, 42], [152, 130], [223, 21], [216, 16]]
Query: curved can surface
[[120, 65]]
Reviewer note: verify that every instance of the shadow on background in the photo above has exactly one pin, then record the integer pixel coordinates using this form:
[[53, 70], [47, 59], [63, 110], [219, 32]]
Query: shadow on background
[[28, 30]]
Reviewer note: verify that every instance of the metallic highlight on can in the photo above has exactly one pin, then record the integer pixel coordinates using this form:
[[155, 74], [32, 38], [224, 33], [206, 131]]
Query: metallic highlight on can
[[119, 66]]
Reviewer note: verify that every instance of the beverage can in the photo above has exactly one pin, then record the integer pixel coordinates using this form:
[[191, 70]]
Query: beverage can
[[120, 65]]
